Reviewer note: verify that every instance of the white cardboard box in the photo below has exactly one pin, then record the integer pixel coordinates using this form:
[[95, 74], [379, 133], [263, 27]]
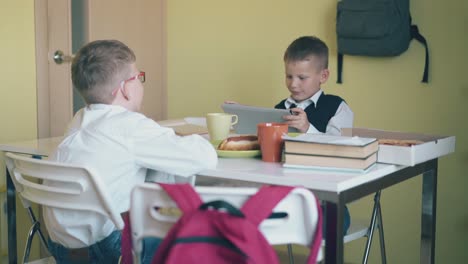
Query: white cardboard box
[[434, 146]]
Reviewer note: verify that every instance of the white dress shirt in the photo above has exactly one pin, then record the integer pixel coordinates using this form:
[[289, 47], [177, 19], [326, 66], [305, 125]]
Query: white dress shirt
[[120, 146], [343, 117]]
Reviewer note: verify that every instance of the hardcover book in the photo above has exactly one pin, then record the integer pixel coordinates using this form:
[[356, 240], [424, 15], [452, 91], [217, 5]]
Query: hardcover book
[[326, 145], [329, 161]]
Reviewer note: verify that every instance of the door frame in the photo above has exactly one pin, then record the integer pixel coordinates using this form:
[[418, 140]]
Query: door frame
[[53, 81], [42, 70]]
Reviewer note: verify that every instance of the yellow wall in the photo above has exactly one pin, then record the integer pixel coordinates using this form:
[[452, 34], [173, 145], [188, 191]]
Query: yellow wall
[[221, 50], [17, 71], [17, 84]]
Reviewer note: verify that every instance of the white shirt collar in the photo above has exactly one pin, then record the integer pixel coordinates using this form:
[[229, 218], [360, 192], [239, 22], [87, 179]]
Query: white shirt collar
[[104, 106], [304, 104]]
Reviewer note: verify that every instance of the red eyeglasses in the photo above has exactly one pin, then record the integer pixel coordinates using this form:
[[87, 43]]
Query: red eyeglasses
[[141, 76]]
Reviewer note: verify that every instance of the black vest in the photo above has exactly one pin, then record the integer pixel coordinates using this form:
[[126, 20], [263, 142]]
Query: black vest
[[320, 115]]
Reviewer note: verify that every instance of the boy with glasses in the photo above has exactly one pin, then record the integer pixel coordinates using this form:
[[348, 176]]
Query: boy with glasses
[[121, 144]]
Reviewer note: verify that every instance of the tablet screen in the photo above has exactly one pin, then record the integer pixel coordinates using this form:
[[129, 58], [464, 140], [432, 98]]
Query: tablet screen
[[250, 116]]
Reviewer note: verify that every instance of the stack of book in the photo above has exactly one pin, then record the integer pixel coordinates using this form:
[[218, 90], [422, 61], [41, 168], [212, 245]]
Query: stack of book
[[330, 152]]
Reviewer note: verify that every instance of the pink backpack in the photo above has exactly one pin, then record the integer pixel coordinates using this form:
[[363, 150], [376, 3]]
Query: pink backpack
[[230, 235]]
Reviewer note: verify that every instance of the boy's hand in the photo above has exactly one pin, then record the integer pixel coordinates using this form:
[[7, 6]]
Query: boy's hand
[[298, 120]]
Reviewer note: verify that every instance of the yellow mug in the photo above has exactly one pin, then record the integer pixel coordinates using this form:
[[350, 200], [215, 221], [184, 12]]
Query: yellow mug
[[219, 125]]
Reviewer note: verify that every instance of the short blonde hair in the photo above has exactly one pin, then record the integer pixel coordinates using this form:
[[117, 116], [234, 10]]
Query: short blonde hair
[[303, 47], [98, 67]]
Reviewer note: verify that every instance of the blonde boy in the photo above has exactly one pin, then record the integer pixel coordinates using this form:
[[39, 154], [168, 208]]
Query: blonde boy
[[306, 69]]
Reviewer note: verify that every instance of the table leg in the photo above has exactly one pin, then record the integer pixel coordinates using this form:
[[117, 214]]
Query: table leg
[[428, 216], [11, 219], [333, 222]]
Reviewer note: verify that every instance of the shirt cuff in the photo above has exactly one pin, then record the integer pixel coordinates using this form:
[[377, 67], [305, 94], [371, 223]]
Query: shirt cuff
[[312, 129]]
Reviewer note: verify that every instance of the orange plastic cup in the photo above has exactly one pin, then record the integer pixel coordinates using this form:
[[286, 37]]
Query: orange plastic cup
[[271, 143]]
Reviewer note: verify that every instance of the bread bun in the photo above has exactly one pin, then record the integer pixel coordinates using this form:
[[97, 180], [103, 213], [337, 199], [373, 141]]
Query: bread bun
[[240, 143], [399, 142]]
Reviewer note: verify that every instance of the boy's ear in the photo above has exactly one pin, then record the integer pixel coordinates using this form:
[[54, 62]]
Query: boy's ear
[[324, 74]]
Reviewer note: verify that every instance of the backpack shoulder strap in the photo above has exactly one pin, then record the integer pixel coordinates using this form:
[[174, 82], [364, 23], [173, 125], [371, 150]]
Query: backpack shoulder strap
[[261, 204], [126, 242], [420, 38], [184, 195], [340, 68], [317, 241]]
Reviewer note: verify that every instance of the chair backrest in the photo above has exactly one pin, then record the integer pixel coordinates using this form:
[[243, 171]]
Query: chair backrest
[[298, 228], [68, 186]]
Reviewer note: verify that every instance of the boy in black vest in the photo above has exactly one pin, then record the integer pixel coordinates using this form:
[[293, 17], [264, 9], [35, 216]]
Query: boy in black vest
[[306, 68]]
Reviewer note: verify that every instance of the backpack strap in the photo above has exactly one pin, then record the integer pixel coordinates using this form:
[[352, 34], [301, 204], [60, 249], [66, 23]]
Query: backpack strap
[[184, 195], [126, 242], [220, 204], [340, 68], [260, 205], [416, 35]]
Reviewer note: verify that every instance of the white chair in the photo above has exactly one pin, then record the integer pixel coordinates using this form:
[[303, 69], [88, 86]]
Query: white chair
[[297, 228], [80, 189]]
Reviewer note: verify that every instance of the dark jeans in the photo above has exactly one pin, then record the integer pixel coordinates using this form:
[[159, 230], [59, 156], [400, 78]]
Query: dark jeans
[[346, 221], [104, 251]]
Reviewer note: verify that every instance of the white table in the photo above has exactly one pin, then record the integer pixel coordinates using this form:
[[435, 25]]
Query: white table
[[336, 188]]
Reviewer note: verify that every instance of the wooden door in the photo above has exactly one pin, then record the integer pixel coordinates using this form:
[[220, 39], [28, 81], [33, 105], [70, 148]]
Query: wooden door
[[138, 23]]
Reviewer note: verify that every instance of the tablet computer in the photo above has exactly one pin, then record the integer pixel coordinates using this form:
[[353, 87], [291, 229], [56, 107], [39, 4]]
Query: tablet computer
[[250, 116]]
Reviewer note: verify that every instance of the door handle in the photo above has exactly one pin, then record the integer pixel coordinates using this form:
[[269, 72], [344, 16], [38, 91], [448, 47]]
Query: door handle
[[60, 58]]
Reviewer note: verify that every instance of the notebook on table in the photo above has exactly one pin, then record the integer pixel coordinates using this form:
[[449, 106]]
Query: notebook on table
[[250, 116], [183, 128]]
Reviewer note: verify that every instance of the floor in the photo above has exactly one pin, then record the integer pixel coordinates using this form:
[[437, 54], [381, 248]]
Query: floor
[[300, 255]]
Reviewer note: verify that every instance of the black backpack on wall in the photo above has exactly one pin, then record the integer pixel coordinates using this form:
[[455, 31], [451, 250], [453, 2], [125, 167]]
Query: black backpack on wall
[[375, 28]]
